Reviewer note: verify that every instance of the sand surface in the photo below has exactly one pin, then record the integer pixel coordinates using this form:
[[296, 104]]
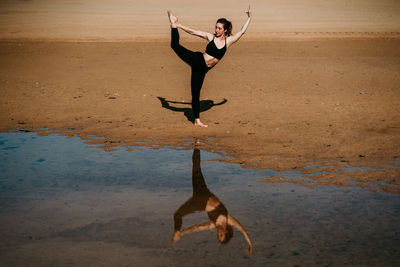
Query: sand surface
[[312, 83], [289, 104]]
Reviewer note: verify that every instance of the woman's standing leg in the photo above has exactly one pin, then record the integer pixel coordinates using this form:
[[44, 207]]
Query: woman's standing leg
[[196, 84], [198, 183]]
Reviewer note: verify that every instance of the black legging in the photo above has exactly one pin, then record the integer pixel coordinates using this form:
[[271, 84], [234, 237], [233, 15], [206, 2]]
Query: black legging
[[201, 195], [199, 69]]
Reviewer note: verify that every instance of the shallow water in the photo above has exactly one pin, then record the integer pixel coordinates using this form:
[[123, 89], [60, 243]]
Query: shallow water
[[64, 202]]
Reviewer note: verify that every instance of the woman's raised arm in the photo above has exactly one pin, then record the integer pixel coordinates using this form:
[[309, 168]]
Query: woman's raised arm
[[204, 35], [233, 39], [235, 223], [198, 227], [174, 24]]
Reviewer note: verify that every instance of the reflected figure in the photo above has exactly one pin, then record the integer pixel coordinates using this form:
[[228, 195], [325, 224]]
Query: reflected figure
[[204, 200], [204, 106]]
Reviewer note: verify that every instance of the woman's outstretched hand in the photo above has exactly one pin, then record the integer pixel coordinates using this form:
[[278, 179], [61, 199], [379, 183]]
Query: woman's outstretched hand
[[248, 12], [176, 236], [250, 250]]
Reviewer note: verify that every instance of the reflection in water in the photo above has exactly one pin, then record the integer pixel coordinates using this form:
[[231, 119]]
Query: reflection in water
[[204, 200], [62, 203]]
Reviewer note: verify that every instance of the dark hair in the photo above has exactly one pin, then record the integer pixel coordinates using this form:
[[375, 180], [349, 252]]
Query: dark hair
[[228, 235], [227, 26]]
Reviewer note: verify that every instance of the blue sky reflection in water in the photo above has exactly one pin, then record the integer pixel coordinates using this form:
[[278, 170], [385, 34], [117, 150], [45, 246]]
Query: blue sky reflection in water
[[63, 202]]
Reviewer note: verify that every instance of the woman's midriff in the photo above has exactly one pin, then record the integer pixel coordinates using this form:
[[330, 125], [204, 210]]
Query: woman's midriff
[[209, 60], [212, 203]]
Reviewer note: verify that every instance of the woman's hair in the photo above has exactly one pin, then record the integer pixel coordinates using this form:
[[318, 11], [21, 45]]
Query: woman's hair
[[227, 26], [229, 234]]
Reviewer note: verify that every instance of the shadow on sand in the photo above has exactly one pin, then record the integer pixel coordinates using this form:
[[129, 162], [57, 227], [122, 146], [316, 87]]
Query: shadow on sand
[[187, 111]]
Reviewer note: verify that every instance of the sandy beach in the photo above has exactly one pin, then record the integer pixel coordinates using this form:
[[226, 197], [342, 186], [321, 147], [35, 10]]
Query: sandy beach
[[310, 84], [312, 89]]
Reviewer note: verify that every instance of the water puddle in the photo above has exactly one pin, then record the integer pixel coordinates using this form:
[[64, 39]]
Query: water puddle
[[65, 202]]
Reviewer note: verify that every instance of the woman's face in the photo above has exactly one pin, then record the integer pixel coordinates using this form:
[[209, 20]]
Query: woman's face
[[219, 29], [221, 232]]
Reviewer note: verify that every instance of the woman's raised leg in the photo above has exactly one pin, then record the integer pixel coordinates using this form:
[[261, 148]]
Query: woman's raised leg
[[172, 19], [185, 54], [190, 58]]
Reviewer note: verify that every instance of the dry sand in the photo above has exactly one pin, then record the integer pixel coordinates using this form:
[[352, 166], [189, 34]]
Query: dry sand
[[145, 20], [310, 83]]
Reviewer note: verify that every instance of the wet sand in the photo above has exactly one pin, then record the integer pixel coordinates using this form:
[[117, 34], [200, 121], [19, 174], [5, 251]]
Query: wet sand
[[63, 203]]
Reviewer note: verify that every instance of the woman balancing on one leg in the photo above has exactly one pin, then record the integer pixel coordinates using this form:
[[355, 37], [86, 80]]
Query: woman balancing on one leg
[[200, 62]]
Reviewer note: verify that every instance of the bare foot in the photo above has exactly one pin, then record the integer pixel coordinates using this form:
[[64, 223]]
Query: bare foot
[[172, 19], [197, 122]]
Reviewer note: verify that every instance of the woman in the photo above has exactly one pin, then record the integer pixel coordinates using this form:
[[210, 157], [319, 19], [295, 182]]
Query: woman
[[200, 62], [204, 200]]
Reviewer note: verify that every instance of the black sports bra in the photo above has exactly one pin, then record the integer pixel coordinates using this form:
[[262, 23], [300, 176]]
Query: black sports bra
[[219, 210], [213, 50]]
